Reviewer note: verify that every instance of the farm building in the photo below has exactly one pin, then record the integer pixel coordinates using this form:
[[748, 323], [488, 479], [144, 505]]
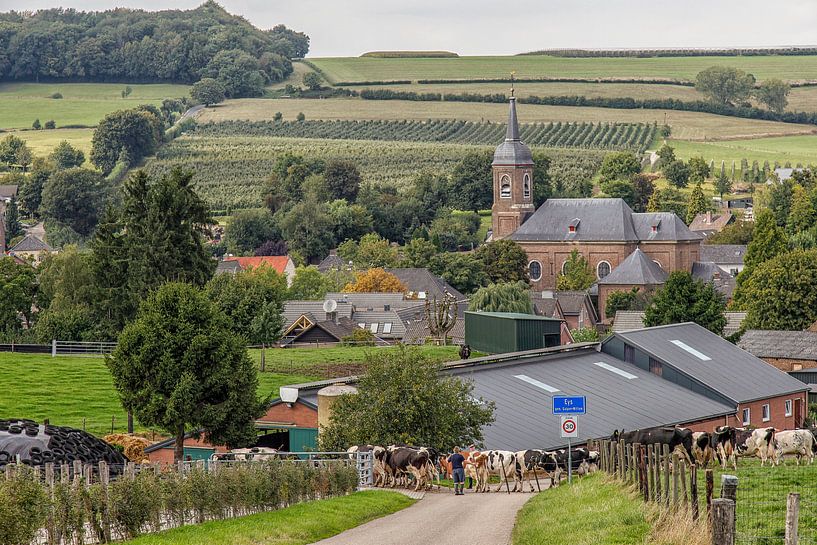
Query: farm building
[[786, 350], [501, 332], [634, 319], [283, 264], [574, 307], [657, 382]]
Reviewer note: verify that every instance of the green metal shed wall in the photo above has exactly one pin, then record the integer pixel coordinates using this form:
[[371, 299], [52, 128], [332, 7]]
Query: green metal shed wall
[[303, 439], [498, 335]]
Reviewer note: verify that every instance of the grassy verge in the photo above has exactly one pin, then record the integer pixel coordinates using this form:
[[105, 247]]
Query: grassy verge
[[592, 510], [296, 525]]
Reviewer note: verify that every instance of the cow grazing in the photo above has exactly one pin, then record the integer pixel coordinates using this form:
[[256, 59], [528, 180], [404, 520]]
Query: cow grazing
[[502, 463], [531, 464], [724, 443], [759, 442], [674, 437], [798, 442], [702, 448]]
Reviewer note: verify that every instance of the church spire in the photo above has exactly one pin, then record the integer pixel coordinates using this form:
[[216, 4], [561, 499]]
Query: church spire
[[512, 132]]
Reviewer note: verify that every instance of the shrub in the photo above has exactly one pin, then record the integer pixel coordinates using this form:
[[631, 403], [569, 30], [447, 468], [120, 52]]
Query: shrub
[[50, 124], [358, 337], [56, 96], [300, 116], [23, 509]]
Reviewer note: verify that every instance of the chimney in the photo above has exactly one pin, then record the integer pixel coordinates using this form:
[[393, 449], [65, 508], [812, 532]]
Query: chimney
[[332, 317], [333, 252], [708, 217]]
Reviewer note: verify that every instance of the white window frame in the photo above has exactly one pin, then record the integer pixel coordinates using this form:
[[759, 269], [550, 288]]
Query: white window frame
[[766, 412], [564, 265], [505, 180], [610, 267], [387, 327], [373, 327], [526, 186], [789, 407], [540, 270], [660, 266], [746, 416]]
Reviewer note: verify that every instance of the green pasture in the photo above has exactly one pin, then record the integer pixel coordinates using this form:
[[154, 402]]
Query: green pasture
[[82, 103], [43, 142], [296, 525], [349, 69], [793, 149], [685, 125]]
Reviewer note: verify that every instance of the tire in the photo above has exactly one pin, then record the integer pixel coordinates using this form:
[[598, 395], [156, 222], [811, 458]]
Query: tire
[[16, 430]]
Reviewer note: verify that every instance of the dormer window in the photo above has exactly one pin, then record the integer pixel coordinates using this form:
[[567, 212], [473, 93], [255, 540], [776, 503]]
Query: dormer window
[[573, 225], [505, 187], [654, 226], [526, 186]]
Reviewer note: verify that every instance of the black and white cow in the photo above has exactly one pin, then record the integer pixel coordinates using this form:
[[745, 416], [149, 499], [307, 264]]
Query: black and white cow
[[759, 442], [702, 448], [534, 464], [798, 442], [674, 437], [502, 463], [582, 460], [404, 461], [724, 443]]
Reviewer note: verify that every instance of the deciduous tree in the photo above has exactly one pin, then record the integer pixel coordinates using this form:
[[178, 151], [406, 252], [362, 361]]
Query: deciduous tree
[[503, 261], [13, 227], [248, 230], [132, 132], [179, 366], [576, 274], [697, 203], [342, 179], [419, 253], [725, 84], [685, 299], [308, 284], [75, 197], [208, 91], [619, 165], [462, 270], [774, 94], [18, 290], [502, 297], [677, 173], [375, 280], [312, 81], [471, 182], [698, 169]]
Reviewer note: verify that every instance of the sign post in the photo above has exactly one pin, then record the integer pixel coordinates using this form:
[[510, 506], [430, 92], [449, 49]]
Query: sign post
[[569, 407]]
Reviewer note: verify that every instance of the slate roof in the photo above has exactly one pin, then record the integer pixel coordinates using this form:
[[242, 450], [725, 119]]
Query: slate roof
[[599, 220], [8, 191], [512, 151], [313, 310], [417, 332], [709, 222], [522, 415], [637, 270], [795, 345], [547, 306], [228, 267], [707, 271], [332, 262], [626, 320], [572, 302], [372, 301], [421, 280], [668, 227], [381, 317], [723, 254], [726, 369], [31, 244]]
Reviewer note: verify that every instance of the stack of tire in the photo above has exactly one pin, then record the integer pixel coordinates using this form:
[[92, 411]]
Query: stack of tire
[[37, 445]]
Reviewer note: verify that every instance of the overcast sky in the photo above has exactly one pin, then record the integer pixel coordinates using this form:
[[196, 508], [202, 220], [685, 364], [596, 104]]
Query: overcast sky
[[351, 27]]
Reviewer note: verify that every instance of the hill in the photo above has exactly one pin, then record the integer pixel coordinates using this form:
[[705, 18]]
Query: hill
[[142, 46]]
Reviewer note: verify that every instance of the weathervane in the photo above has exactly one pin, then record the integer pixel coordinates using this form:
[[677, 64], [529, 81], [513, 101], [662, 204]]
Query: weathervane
[[513, 72]]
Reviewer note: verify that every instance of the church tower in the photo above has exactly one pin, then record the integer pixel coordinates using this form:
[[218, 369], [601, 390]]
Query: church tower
[[513, 180]]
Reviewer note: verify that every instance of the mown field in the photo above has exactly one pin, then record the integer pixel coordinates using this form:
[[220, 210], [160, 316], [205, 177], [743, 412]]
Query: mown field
[[349, 69], [82, 103], [68, 389], [685, 125], [793, 149], [43, 142], [230, 171]]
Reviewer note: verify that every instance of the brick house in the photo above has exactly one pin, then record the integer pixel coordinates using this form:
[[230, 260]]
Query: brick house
[[283, 264], [604, 231], [637, 271], [787, 350]]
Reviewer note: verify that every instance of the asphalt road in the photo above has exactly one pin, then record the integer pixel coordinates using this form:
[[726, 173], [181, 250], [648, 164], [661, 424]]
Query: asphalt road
[[441, 518]]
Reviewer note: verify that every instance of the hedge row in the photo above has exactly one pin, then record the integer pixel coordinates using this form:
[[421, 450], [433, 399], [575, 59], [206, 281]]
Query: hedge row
[[647, 81], [151, 501], [646, 53], [626, 103]]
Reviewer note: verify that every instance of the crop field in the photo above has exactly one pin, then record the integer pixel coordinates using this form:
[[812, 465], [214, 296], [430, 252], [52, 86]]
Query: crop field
[[350, 69], [608, 136], [82, 103], [42, 142], [685, 125], [230, 170], [791, 149]]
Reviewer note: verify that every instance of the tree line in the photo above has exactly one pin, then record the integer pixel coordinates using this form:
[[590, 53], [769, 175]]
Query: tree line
[[143, 46]]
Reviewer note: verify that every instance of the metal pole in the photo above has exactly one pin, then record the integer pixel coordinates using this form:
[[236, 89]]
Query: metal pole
[[569, 463], [504, 476]]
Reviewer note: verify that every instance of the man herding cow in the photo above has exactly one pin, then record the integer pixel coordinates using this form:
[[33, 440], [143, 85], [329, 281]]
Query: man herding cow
[[457, 471]]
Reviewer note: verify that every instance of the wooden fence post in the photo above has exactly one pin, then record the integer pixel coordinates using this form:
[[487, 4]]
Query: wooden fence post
[[710, 486], [693, 490], [621, 460], [657, 459], [792, 517], [675, 472], [723, 522], [683, 479], [651, 472], [666, 475], [49, 483], [642, 470]]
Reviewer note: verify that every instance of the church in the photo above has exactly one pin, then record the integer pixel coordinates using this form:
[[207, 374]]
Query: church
[[605, 231]]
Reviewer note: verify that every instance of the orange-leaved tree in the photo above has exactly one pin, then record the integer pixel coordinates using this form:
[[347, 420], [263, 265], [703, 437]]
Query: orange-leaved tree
[[375, 280]]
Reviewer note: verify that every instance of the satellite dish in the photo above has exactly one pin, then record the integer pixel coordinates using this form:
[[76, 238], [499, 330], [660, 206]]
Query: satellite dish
[[330, 305]]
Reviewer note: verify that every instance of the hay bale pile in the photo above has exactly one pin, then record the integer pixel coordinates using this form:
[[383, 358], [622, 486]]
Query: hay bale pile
[[133, 445], [37, 445]]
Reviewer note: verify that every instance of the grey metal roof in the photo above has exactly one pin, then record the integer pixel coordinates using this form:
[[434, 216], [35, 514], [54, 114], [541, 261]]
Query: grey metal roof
[[31, 244], [512, 151], [668, 226], [733, 372], [638, 270], [796, 345], [332, 262], [523, 416], [421, 280], [599, 220], [723, 254]]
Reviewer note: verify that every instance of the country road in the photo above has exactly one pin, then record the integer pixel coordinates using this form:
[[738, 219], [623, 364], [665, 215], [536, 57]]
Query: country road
[[441, 518]]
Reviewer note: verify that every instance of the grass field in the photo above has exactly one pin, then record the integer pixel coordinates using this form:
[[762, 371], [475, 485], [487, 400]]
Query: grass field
[[82, 103], [42, 142], [685, 125], [795, 149], [296, 525], [349, 69], [592, 510]]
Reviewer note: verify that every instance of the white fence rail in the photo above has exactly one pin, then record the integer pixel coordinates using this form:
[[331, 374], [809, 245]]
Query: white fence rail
[[77, 348]]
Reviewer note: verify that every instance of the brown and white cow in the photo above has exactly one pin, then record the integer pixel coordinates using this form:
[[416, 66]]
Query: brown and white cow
[[702, 450]]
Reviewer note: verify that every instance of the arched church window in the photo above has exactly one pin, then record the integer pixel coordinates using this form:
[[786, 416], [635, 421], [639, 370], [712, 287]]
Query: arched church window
[[526, 186], [535, 270], [505, 187], [602, 269]]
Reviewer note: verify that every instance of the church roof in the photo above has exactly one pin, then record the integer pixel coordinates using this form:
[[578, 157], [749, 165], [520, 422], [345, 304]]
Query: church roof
[[512, 151], [579, 220], [636, 270], [662, 226]]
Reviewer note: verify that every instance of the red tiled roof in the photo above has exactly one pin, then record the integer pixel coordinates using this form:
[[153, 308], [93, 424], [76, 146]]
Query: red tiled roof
[[277, 262]]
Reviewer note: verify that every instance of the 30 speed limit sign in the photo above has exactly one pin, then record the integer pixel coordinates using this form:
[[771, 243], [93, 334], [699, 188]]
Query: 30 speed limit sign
[[570, 426]]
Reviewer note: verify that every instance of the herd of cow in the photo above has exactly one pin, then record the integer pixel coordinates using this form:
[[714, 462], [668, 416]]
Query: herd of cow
[[405, 465], [402, 465], [725, 444]]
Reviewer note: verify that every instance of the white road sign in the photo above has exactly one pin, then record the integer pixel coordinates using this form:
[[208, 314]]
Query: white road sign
[[570, 426]]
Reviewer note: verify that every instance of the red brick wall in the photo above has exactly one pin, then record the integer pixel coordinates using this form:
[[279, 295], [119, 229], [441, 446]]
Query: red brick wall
[[299, 414], [777, 407], [785, 364]]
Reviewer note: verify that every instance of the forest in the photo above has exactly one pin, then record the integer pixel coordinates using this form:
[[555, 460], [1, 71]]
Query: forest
[[125, 45]]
